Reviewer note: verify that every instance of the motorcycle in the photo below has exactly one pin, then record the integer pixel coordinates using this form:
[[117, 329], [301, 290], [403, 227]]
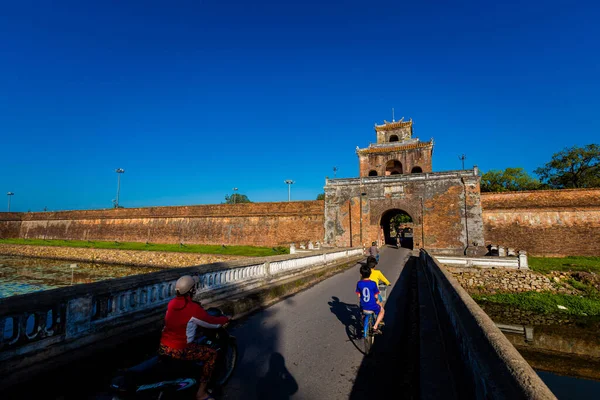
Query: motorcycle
[[162, 377]]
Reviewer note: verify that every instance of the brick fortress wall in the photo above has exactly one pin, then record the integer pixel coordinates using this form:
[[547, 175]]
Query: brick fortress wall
[[10, 224], [544, 222], [257, 224]]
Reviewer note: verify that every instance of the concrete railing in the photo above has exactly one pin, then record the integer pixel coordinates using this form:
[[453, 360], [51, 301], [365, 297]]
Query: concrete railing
[[402, 178], [494, 366], [38, 326], [519, 262]]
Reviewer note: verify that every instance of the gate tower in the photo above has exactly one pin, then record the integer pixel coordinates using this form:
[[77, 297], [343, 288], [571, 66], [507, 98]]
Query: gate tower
[[396, 178]]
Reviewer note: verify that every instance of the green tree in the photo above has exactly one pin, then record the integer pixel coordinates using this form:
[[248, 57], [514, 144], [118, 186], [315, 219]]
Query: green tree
[[398, 220], [510, 179], [236, 198], [321, 196], [573, 167]]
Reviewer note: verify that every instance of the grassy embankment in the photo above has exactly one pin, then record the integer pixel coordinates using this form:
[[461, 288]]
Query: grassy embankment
[[579, 274], [248, 251]]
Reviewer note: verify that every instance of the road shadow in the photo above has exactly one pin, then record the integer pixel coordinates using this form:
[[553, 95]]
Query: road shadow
[[394, 358], [278, 383], [349, 316]]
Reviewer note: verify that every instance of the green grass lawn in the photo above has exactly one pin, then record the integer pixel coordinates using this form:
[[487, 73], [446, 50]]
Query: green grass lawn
[[248, 251], [572, 263], [545, 303]]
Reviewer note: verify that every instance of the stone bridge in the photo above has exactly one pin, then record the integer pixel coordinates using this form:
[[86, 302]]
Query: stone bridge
[[437, 342]]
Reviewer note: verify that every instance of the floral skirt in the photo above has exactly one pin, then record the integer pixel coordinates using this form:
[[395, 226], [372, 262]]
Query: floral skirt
[[193, 352]]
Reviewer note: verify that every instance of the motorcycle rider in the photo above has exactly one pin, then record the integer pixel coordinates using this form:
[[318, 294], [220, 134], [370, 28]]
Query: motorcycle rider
[[183, 321]]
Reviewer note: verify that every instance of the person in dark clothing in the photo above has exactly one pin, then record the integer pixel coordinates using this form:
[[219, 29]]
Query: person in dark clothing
[[374, 251]]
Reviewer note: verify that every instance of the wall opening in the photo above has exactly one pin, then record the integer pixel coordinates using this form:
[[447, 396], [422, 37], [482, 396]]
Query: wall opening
[[372, 173], [397, 224], [393, 167], [416, 170], [394, 138]]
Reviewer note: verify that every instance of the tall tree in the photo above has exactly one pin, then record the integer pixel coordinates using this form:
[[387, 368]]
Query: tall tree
[[510, 179], [236, 198], [321, 196], [573, 167]]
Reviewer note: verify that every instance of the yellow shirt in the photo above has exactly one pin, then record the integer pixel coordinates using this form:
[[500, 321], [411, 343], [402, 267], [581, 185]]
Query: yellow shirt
[[377, 276]]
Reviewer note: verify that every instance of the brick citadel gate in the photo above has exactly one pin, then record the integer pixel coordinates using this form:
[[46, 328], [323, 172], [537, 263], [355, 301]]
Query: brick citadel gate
[[443, 209]]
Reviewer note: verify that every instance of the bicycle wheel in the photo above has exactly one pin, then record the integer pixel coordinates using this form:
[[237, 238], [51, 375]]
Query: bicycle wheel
[[368, 333], [226, 364]]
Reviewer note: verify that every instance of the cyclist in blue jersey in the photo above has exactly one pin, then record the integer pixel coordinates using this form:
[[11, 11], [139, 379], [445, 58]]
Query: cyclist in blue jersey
[[368, 292]]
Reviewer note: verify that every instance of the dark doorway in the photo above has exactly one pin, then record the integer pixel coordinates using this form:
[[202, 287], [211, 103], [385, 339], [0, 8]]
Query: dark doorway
[[393, 167], [397, 227], [372, 173], [416, 170]]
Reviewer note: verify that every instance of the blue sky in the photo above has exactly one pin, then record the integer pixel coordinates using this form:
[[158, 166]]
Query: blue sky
[[193, 98]]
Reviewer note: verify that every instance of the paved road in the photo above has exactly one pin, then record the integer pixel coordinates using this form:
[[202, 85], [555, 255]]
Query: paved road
[[304, 346]]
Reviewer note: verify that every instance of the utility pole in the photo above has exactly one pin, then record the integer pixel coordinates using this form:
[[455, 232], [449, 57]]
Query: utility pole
[[334, 171], [234, 195], [462, 158], [289, 182]]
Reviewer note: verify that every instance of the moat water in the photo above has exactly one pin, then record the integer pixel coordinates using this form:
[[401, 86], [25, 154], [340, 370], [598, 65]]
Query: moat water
[[22, 275], [564, 351]]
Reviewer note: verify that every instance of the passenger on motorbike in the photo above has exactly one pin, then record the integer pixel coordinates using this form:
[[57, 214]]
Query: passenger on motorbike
[[184, 320]]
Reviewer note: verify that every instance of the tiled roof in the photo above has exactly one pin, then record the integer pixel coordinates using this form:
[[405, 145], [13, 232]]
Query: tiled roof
[[388, 126], [390, 149]]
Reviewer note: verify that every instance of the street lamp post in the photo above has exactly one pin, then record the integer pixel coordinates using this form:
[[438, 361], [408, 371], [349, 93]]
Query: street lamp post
[[234, 195], [334, 172], [462, 158], [289, 182], [119, 171], [8, 195]]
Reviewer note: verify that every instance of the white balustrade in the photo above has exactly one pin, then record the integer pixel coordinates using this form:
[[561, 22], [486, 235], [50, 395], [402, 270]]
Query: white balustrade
[[26, 327]]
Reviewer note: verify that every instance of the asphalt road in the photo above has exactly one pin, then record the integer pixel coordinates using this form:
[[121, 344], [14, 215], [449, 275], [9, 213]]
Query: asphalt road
[[304, 347]]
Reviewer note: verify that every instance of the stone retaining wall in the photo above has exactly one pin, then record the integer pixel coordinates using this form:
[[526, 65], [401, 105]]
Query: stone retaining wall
[[113, 256], [477, 280]]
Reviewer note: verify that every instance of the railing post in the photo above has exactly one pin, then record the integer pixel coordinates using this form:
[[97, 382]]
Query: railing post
[[523, 264], [79, 316]]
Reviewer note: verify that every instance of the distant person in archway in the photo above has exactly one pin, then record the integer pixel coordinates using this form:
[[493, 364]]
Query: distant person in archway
[[374, 251]]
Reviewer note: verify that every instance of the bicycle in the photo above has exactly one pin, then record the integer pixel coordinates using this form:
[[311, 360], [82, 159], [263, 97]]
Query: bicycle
[[368, 318]]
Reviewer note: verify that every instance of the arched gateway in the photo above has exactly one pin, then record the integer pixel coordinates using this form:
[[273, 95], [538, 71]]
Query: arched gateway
[[444, 207], [397, 226]]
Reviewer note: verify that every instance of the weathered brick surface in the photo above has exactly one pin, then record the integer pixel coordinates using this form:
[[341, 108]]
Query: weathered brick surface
[[10, 224], [545, 223], [409, 159], [259, 224], [444, 222]]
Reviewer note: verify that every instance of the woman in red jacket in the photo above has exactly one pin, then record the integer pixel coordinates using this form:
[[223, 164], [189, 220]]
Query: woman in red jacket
[[184, 320]]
